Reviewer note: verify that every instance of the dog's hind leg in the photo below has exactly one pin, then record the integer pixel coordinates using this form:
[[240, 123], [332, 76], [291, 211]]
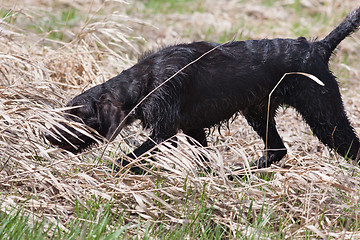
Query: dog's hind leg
[[276, 150], [323, 110]]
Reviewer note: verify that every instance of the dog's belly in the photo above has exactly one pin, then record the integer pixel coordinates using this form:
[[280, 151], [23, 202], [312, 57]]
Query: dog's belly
[[207, 113]]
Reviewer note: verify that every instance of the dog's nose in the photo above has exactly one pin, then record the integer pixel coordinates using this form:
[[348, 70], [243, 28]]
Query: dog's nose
[[50, 138], [47, 134]]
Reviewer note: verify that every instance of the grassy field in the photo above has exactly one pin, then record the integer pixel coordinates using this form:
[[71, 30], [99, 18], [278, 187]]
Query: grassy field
[[51, 51]]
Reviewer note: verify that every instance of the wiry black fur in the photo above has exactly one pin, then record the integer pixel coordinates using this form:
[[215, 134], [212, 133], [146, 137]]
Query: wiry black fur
[[235, 77]]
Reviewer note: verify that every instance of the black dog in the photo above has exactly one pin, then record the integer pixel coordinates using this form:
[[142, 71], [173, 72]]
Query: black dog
[[213, 82]]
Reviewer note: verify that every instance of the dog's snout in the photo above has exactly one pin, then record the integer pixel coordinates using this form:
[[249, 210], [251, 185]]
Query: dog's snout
[[51, 138], [47, 135]]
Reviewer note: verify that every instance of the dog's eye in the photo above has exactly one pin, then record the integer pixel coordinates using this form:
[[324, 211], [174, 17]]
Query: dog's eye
[[92, 122]]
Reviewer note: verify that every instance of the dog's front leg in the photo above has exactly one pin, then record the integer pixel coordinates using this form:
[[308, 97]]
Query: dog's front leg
[[149, 144], [124, 161]]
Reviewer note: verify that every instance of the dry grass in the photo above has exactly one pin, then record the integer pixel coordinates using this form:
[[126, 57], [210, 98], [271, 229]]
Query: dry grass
[[311, 192]]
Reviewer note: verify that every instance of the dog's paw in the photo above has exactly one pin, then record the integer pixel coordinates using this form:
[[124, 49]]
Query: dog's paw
[[262, 162], [121, 166]]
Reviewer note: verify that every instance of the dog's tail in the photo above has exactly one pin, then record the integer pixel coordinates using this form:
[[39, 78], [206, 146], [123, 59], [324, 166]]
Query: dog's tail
[[350, 24]]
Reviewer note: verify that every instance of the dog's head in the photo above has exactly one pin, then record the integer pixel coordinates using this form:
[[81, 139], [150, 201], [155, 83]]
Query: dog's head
[[101, 113]]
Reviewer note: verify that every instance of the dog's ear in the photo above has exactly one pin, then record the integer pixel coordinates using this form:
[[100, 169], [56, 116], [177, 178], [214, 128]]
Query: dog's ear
[[110, 114]]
